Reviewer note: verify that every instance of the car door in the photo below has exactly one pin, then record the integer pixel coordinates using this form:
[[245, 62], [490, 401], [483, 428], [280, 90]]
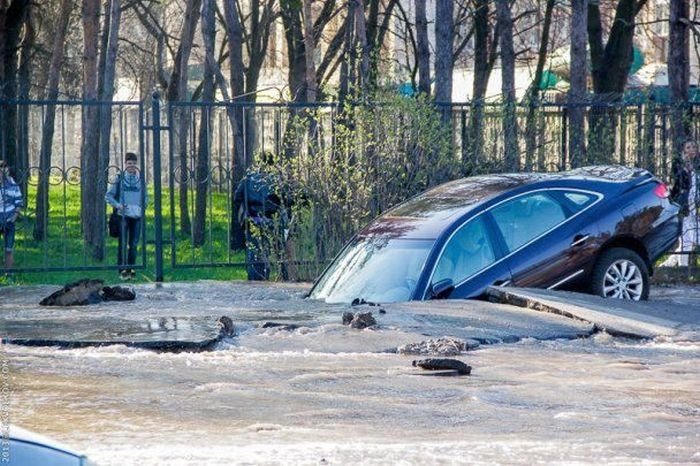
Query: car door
[[471, 259], [548, 237]]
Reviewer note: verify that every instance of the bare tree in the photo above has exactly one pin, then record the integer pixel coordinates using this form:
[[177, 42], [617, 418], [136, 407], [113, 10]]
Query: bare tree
[[533, 92], [679, 71], [201, 174], [176, 91], [423, 49], [347, 67], [610, 67], [12, 22], [309, 52], [57, 52], [234, 35], [444, 45], [106, 80], [577, 91], [361, 28], [25, 80], [90, 137], [485, 53], [510, 124]]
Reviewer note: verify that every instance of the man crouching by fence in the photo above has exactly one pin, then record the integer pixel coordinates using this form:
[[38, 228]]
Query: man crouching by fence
[[10, 206], [262, 212]]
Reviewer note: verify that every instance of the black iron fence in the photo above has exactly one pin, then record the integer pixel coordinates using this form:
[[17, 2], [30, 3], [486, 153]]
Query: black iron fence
[[338, 167]]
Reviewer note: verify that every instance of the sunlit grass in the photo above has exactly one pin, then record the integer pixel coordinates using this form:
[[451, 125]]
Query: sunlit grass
[[64, 247]]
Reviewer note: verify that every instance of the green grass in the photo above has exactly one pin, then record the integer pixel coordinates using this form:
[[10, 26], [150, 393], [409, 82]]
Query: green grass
[[65, 248]]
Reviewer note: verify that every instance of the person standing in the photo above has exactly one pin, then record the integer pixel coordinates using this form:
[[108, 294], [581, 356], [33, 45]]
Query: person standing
[[10, 207], [129, 197], [685, 193], [262, 214]]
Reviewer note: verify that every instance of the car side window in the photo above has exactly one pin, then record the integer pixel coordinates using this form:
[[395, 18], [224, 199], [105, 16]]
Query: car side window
[[578, 200], [527, 217], [467, 251]]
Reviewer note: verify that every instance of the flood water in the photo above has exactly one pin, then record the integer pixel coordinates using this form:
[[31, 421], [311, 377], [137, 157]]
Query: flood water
[[274, 396]]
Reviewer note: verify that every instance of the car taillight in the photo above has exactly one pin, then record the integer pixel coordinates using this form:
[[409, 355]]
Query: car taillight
[[661, 190]]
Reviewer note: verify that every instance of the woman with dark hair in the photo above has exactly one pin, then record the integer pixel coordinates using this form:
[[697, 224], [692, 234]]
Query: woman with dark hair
[[685, 193]]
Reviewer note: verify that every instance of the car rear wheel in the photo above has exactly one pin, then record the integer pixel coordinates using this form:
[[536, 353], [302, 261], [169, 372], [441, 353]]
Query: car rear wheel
[[621, 273]]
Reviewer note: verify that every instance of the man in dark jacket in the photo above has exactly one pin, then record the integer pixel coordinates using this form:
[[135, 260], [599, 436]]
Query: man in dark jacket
[[262, 214]]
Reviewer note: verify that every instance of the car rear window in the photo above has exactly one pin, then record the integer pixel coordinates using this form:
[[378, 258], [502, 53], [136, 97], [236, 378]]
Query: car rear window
[[579, 200]]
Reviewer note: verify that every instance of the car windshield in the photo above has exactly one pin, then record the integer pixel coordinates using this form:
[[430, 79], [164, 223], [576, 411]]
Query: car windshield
[[374, 269]]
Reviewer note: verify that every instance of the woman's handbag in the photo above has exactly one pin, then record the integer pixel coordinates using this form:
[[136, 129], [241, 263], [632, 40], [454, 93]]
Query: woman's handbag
[[114, 224]]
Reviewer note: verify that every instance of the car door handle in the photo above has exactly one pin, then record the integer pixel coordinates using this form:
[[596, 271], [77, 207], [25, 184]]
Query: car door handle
[[579, 239], [501, 283]]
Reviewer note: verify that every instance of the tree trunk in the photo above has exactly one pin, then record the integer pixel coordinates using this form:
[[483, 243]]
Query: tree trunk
[[310, 48], [578, 78], [473, 156], [105, 121], [444, 38], [678, 73], [24, 88], [348, 63], [533, 94], [234, 32], [42, 196], [610, 68], [182, 116], [361, 28], [90, 137], [296, 54], [12, 19], [423, 49], [510, 124], [201, 176]]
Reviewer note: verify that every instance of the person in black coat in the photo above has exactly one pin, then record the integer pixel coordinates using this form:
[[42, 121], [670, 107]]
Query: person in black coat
[[685, 193], [683, 174], [262, 211]]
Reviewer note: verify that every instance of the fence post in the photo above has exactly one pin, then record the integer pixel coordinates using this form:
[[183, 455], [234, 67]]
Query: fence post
[[157, 187], [565, 139]]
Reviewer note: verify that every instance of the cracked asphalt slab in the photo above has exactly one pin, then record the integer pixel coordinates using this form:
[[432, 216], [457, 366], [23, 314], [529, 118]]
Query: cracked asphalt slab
[[183, 317]]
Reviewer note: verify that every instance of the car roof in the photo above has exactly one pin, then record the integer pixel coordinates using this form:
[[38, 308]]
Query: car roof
[[429, 213], [24, 435]]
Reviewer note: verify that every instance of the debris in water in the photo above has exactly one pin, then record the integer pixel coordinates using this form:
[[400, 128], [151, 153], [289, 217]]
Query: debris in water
[[443, 364]]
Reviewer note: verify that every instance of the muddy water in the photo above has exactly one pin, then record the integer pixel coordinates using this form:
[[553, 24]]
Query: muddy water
[[263, 399]]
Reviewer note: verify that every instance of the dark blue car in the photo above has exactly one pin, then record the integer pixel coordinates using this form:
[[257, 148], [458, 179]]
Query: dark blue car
[[598, 229]]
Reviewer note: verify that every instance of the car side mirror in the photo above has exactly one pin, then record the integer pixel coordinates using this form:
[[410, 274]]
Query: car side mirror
[[442, 289]]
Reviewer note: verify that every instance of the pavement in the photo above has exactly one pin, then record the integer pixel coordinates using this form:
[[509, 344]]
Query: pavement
[[184, 317], [669, 311]]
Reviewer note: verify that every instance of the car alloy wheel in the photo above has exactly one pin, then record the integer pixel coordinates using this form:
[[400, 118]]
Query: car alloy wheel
[[623, 280], [620, 273]]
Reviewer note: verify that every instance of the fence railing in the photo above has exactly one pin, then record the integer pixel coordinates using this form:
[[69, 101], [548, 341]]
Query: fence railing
[[344, 165]]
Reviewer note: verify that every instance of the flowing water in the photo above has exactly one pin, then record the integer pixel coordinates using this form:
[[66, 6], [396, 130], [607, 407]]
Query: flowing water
[[273, 396]]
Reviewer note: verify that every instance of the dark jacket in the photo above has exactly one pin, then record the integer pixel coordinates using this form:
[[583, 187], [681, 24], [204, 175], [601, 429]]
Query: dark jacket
[[682, 182], [256, 194]]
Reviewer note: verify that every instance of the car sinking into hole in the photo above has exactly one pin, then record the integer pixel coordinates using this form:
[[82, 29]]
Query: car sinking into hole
[[595, 229]]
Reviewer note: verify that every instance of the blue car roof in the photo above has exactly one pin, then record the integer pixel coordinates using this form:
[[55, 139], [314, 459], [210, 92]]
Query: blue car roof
[[429, 213]]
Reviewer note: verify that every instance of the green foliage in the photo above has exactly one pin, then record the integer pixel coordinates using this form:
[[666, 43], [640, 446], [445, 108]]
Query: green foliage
[[360, 162]]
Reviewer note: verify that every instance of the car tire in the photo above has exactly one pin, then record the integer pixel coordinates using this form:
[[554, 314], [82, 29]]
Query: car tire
[[620, 273]]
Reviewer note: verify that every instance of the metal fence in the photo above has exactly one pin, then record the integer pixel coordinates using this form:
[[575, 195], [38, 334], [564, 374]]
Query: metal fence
[[194, 154]]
